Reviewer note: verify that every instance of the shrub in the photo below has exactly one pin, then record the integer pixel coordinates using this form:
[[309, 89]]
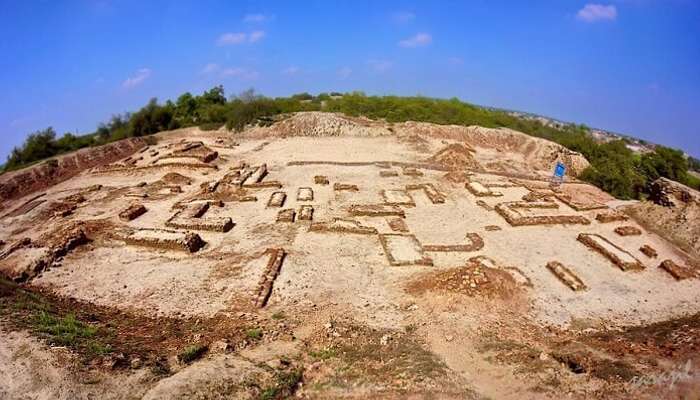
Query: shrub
[[191, 353]]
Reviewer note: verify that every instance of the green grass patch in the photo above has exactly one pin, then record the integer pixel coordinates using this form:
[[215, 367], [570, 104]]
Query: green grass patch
[[254, 333], [285, 385], [323, 354], [63, 331], [191, 353]]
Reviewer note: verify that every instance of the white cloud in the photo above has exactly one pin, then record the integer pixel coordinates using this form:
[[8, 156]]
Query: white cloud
[[379, 65], [256, 36], [291, 70], [420, 39], [133, 81], [403, 17], [257, 18], [238, 72], [597, 12], [232, 38], [344, 72], [210, 68]]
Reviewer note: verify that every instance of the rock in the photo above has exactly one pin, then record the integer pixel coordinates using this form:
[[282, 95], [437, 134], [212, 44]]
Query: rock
[[384, 340], [219, 346], [136, 363], [449, 338]]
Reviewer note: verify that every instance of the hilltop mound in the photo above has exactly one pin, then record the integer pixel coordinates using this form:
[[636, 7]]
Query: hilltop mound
[[456, 156], [317, 123], [538, 154], [502, 150]]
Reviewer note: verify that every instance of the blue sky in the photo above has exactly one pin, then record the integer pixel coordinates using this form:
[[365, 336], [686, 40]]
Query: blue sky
[[630, 66]]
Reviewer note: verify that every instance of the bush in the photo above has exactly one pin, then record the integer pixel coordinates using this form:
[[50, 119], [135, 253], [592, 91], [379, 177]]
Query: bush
[[614, 168]]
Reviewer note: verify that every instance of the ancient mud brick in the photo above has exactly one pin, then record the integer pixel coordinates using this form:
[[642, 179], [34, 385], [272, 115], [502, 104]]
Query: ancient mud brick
[[266, 184], [376, 210], [628, 231], [492, 228], [339, 225], [510, 212], [430, 191], [537, 195], [388, 174], [305, 194], [163, 239], [258, 174], [611, 251], [648, 251], [677, 272], [277, 199], [345, 187], [286, 215], [397, 224], [579, 206], [272, 270], [403, 250], [479, 190], [132, 212], [195, 210], [566, 276], [484, 205], [410, 171], [398, 198], [433, 194], [221, 224], [610, 216], [501, 184], [475, 242], [306, 213], [321, 180]]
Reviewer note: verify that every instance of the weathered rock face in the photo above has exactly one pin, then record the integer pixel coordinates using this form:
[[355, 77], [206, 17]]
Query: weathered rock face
[[668, 193], [19, 183], [538, 154], [673, 212]]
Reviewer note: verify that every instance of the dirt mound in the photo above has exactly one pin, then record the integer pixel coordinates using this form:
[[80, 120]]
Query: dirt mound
[[474, 279], [321, 124], [28, 180], [539, 154], [456, 157], [173, 178], [675, 216]]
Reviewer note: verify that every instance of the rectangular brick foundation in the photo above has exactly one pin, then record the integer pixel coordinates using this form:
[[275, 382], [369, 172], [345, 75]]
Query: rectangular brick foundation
[[339, 225], [132, 212], [611, 251], [566, 276], [403, 250], [267, 279], [676, 271], [277, 199], [376, 210], [306, 213]]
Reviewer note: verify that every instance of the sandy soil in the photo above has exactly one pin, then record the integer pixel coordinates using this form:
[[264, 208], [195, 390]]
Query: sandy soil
[[501, 337]]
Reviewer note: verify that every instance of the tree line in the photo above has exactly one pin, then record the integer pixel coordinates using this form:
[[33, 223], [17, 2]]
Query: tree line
[[614, 167]]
